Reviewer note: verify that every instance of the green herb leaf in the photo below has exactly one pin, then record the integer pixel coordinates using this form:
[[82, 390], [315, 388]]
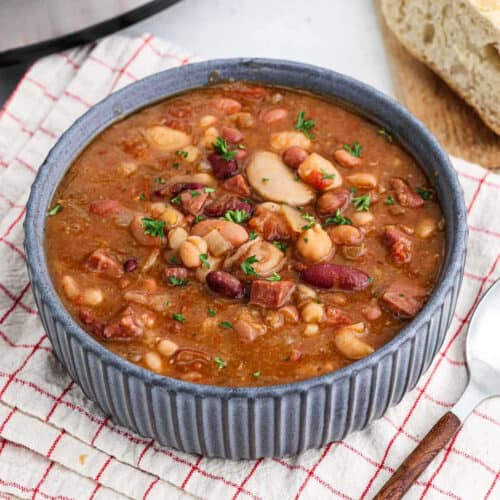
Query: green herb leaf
[[424, 193], [176, 165], [199, 218], [338, 220], [252, 235], [176, 281], [280, 245], [176, 200], [353, 190], [211, 312], [220, 145], [274, 277], [362, 203], [264, 180], [225, 324], [179, 317], [385, 133], [256, 374], [354, 150], [311, 221], [209, 190], [326, 175], [182, 154], [204, 260], [173, 259], [160, 180], [389, 200], [247, 265], [241, 146], [237, 216], [55, 209], [153, 227], [220, 362], [304, 125], [142, 197], [194, 193]]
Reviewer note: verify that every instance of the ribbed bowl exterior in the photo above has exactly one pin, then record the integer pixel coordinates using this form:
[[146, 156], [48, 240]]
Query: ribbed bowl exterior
[[242, 423]]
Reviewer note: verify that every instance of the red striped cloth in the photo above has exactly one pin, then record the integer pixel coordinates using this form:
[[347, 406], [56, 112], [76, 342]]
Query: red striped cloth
[[54, 443]]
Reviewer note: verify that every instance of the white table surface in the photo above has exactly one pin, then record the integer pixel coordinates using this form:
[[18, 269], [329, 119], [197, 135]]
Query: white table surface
[[340, 34]]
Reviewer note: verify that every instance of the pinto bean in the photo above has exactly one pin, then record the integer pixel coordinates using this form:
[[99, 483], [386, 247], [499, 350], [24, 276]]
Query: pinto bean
[[274, 115], [225, 284], [336, 276], [232, 135], [234, 233], [314, 244], [362, 180], [226, 105], [331, 201], [222, 169], [244, 120], [346, 159], [346, 235], [294, 156]]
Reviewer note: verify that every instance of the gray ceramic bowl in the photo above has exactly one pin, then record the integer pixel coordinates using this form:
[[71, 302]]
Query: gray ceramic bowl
[[264, 421]]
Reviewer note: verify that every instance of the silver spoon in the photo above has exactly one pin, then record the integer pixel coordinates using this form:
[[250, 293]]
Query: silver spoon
[[483, 358]]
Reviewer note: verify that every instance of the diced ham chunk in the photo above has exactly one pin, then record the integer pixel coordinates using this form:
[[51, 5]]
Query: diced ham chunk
[[336, 317], [127, 324], [271, 294], [238, 185], [91, 322], [405, 196], [247, 331], [192, 201], [404, 298], [398, 243], [106, 208], [220, 206], [101, 261], [272, 225]]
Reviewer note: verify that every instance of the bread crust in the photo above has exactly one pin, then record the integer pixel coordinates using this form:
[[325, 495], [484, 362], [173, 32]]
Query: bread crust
[[487, 14]]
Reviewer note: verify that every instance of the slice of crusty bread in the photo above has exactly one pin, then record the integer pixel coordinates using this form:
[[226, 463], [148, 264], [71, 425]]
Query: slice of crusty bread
[[460, 41]]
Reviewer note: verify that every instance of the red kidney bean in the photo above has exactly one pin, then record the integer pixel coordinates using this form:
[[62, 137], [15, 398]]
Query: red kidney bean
[[294, 156], [225, 284], [130, 265], [220, 206], [223, 169], [180, 273], [232, 135], [274, 115], [336, 276], [331, 201]]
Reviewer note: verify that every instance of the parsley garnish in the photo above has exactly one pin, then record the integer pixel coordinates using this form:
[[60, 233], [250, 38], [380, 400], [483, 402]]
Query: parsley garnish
[[354, 150], [56, 209], [211, 312], [179, 317], [220, 362], [142, 197], [241, 146], [204, 260], [182, 154], [274, 277], [252, 235], [362, 203], [176, 200], [153, 227], [280, 245], [338, 220], [225, 324], [176, 165], [326, 175], [385, 133], [304, 125], [389, 200], [220, 145], [160, 180], [209, 190], [424, 193], [237, 216], [194, 193], [353, 190], [176, 281], [247, 265], [264, 180], [310, 221], [256, 374], [173, 259], [199, 218]]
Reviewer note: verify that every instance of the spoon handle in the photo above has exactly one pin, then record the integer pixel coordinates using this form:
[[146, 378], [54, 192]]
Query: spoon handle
[[409, 471]]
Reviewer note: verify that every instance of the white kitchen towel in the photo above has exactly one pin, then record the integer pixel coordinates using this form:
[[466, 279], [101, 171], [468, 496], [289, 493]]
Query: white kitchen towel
[[48, 422]]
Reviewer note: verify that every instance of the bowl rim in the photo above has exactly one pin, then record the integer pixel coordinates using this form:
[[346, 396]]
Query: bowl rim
[[36, 214]]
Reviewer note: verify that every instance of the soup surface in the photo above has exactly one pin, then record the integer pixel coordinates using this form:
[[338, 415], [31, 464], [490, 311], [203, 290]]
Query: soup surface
[[244, 235]]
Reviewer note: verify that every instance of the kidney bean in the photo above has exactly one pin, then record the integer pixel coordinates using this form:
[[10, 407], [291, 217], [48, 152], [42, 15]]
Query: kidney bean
[[232, 135], [331, 201], [223, 169], [294, 156], [221, 205], [225, 284], [180, 273], [274, 115], [334, 275], [130, 265]]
